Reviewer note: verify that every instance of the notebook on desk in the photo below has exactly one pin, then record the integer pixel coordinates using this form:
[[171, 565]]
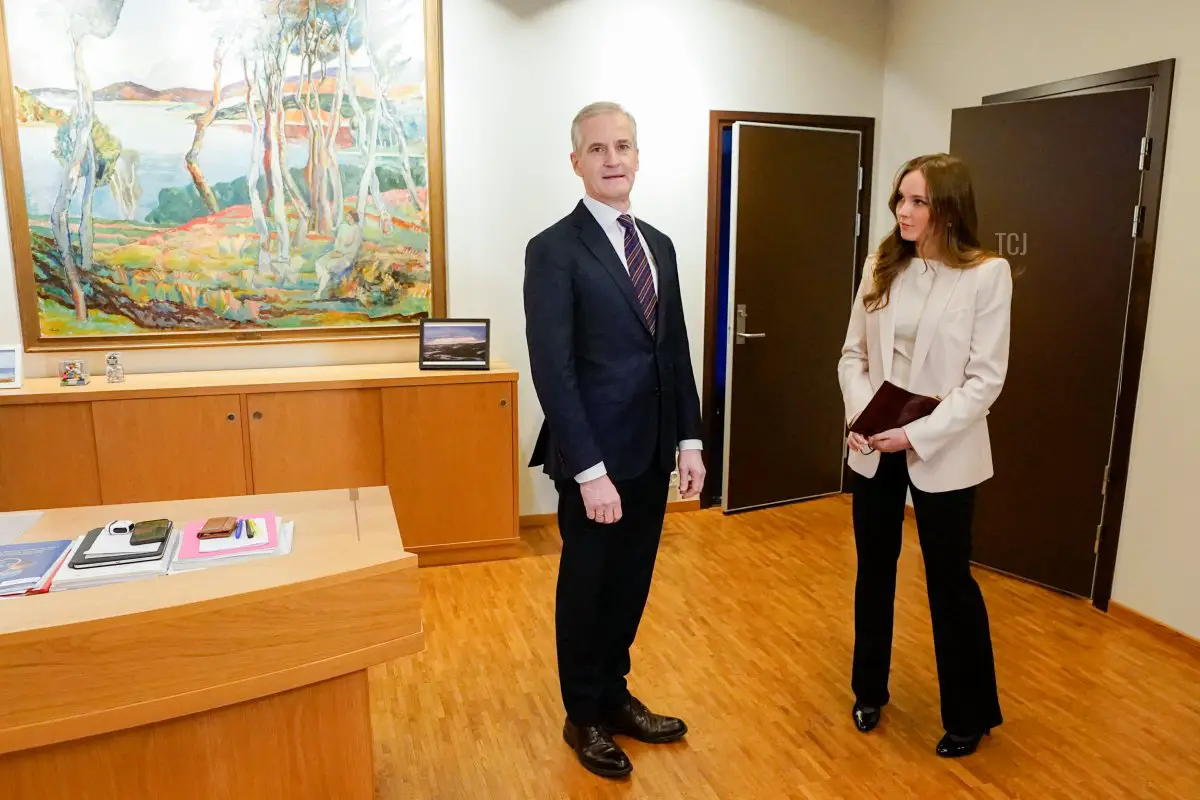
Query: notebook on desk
[[71, 577], [99, 549], [26, 568], [194, 547], [274, 540]]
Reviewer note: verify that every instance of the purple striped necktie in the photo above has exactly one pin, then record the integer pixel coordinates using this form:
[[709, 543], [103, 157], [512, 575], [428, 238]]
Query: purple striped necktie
[[639, 273]]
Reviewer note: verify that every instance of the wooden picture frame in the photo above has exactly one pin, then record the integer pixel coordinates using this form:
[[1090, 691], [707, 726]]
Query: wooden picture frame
[[143, 270], [455, 344], [10, 366]]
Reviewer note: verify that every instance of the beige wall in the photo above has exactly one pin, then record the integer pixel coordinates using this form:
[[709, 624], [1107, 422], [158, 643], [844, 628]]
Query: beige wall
[[945, 54], [516, 71], [670, 62]]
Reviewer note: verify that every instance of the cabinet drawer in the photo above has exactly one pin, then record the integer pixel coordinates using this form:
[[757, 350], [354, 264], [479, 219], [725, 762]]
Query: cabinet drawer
[[307, 441], [450, 462], [47, 457], [171, 448]]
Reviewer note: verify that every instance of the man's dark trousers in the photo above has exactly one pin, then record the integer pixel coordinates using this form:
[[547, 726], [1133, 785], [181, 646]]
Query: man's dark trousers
[[603, 581]]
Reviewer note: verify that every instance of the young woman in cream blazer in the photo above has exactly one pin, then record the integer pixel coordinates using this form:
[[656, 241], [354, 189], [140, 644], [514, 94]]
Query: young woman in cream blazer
[[931, 316]]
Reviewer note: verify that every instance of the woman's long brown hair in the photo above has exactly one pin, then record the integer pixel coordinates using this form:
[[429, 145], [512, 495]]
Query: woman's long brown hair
[[953, 226]]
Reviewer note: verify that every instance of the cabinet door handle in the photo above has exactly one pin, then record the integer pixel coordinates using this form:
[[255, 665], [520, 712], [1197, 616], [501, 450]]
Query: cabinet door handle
[[504, 403], [258, 415], [231, 417]]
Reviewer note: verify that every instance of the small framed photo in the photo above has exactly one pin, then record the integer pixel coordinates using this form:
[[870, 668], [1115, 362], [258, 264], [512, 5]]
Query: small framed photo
[[10, 366], [455, 344]]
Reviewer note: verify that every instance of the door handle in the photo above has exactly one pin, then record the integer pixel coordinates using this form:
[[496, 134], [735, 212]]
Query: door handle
[[740, 327]]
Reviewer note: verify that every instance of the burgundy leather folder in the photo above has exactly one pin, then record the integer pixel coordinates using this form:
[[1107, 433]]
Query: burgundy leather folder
[[892, 407]]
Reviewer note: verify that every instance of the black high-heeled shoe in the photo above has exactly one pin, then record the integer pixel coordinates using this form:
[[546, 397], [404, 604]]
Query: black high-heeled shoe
[[952, 746], [866, 717]]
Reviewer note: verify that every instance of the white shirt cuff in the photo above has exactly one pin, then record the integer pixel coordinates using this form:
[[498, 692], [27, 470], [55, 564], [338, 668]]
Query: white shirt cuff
[[599, 470], [591, 473]]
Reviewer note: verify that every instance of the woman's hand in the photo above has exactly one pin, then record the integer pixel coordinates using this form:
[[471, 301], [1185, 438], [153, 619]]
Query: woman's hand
[[859, 443], [890, 441]]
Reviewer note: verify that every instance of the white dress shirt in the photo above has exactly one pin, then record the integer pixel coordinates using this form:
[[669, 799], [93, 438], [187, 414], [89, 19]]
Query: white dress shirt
[[913, 292], [607, 216]]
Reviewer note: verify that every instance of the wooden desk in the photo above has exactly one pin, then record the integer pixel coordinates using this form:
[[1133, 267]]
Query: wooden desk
[[244, 680]]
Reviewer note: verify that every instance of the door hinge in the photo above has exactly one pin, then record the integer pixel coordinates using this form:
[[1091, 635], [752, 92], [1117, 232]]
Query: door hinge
[[860, 178], [857, 224], [1139, 216], [1104, 485], [1144, 154], [1099, 536]]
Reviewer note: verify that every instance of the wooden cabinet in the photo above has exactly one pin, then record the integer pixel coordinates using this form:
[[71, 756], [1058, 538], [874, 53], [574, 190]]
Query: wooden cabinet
[[323, 439], [47, 456], [175, 448], [455, 444], [445, 444]]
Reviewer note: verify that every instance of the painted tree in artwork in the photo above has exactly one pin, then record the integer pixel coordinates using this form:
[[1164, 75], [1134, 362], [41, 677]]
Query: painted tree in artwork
[[389, 20], [296, 55], [224, 39], [97, 18], [368, 137], [325, 34]]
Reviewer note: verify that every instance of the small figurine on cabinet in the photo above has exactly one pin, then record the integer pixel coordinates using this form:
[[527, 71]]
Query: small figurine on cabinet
[[72, 373], [114, 371]]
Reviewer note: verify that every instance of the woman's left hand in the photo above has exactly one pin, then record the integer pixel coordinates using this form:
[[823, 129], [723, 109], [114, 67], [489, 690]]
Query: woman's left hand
[[890, 441]]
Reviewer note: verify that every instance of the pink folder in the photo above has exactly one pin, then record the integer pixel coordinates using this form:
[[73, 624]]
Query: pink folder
[[190, 546]]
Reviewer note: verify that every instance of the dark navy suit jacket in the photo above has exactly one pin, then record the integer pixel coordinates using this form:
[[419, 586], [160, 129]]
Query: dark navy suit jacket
[[610, 390]]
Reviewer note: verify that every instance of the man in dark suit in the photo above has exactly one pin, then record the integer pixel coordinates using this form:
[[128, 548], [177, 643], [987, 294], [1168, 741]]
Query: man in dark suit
[[608, 351]]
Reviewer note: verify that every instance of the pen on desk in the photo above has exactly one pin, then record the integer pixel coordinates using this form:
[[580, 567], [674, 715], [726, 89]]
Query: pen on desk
[[237, 533], [250, 528]]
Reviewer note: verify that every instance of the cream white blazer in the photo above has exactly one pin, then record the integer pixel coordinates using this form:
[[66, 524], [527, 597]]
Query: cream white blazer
[[960, 355]]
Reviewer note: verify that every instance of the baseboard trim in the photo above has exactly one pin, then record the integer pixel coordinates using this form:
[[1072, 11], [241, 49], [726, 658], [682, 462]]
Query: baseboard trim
[[1160, 630], [438, 555], [673, 507], [678, 506]]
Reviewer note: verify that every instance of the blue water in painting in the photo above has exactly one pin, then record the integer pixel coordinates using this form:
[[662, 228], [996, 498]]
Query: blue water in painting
[[161, 133]]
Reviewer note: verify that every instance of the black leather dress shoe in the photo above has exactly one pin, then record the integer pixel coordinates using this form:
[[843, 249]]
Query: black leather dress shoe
[[866, 717], [633, 719], [596, 750], [952, 746]]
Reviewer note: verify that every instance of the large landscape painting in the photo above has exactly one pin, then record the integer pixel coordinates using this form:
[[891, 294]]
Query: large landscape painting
[[222, 169]]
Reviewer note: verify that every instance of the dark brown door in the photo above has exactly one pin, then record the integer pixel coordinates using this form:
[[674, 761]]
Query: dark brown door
[[1057, 183], [793, 233]]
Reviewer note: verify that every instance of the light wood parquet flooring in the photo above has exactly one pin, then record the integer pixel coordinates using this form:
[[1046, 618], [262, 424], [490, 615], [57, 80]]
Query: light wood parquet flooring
[[748, 635]]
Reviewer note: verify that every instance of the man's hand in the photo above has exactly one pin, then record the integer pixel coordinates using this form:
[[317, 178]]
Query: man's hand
[[890, 441], [600, 500], [691, 473], [859, 443]]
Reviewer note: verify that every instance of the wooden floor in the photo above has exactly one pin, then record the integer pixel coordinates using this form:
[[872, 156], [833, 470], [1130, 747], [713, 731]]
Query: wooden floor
[[748, 635]]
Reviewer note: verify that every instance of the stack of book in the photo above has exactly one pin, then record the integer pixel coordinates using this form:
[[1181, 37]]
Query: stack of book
[[255, 536], [124, 550], [30, 567], [101, 557]]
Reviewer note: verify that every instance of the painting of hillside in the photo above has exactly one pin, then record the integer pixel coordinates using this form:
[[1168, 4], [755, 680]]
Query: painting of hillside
[[222, 168]]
